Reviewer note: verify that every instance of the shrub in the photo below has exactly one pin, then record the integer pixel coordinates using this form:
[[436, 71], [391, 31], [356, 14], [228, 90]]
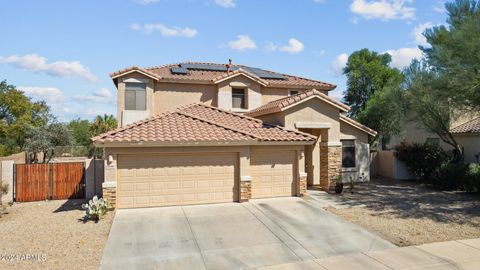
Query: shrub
[[423, 160], [96, 208], [459, 176]]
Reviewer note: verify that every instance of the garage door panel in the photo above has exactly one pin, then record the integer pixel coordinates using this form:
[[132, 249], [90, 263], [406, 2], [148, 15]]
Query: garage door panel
[[272, 173], [176, 179]]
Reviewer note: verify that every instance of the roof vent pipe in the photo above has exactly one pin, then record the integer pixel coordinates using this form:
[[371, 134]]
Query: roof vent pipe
[[229, 65]]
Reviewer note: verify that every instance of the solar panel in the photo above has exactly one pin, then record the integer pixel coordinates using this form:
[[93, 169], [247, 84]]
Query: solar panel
[[183, 69], [179, 70], [204, 67]]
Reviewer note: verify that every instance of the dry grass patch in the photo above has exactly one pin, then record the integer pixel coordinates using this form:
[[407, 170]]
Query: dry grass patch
[[411, 214], [54, 230]]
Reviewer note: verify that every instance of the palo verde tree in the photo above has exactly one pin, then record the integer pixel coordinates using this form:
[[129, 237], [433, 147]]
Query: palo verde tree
[[453, 52]]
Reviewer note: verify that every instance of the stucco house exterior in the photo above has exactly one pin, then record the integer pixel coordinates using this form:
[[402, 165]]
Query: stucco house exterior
[[194, 133]]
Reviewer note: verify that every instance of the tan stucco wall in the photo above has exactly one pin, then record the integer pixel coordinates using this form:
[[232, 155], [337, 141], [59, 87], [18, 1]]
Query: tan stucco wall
[[315, 110], [349, 132], [470, 145], [169, 96], [276, 119], [253, 99], [414, 132]]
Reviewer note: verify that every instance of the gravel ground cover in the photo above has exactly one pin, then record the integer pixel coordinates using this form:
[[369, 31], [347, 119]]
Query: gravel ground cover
[[407, 213], [51, 235]]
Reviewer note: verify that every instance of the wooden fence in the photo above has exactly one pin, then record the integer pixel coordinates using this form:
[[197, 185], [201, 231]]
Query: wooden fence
[[35, 182]]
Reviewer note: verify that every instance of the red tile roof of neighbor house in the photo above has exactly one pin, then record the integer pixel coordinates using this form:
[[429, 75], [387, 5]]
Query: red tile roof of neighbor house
[[470, 127], [280, 104], [197, 75], [201, 123]]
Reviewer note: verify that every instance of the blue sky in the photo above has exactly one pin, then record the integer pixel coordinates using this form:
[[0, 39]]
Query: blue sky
[[63, 51]]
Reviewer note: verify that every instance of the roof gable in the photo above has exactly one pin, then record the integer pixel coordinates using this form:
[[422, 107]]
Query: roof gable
[[357, 125], [470, 127], [292, 101]]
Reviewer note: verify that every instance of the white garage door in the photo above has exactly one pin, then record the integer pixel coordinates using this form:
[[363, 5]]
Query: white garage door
[[272, 173], [147, 180]]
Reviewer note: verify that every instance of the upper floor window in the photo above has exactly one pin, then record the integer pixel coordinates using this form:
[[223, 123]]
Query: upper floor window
[[135, 96], [348, 154], [292, 92], [238, 98]]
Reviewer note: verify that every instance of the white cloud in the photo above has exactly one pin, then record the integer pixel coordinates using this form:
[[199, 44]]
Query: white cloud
[[225, 3], [339, 63], [294, 46], [164, 30], [404, 56], [383, 9], [102, 95], [417, 33], [36, 63], [48, 94], [146, 2], [242, 43]]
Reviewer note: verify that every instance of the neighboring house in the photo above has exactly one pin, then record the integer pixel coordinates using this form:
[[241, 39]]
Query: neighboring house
[[466, 131], [195, 133]]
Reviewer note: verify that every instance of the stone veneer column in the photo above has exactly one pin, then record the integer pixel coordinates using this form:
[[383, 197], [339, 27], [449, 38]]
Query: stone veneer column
[[109, 186], [245, 178], [302, 175], [330, 164]]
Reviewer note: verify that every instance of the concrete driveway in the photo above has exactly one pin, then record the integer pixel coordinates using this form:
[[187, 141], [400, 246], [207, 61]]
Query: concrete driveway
[[231, 236]]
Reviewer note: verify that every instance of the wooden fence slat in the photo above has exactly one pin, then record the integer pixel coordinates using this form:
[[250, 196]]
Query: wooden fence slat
[[32, 181]]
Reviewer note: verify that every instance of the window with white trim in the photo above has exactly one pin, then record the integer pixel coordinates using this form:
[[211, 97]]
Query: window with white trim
[[135, 96], [238, 98], [348, 154]]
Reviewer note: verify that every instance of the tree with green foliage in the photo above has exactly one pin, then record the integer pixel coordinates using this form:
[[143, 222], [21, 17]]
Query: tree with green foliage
[[45, 139], [102, 124], [367, 72], [427, 103], [80, 129], [18, 113], [453, 52]]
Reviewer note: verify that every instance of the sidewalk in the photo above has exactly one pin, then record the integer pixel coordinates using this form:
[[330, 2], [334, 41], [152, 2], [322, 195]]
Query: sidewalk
[[462, 254]]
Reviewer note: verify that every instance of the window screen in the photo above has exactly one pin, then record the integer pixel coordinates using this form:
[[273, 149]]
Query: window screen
[[135, 96], [238, 98], [348, 154]]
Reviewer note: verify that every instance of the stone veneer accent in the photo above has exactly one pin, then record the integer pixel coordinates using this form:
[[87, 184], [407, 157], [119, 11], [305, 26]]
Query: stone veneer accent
[[110, 194], [245, 191], [330, 166], [302, 185]]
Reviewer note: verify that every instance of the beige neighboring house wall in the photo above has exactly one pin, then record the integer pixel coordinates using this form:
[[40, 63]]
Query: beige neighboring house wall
[[471, 146]]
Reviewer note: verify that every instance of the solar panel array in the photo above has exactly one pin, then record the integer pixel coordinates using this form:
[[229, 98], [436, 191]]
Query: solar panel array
[[183, 69]]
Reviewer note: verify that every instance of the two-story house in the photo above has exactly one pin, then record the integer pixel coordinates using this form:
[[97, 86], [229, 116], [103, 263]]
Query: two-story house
[[193, 133]]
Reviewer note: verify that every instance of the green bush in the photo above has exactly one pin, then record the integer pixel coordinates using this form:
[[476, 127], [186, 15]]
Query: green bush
[[423, 160], [459, 176]]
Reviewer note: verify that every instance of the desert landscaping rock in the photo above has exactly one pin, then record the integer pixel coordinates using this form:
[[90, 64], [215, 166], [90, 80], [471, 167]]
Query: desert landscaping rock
[[410, 214], [55, 232]]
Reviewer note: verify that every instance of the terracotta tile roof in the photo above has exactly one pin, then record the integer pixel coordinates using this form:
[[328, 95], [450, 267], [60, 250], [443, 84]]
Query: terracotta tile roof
[[195, 75], [472, 126], [280, 104], [201, 123], [356, 124], [134, 68]]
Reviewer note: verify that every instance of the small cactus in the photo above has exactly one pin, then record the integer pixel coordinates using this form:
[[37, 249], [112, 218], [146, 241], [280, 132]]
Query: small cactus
[[96, 208]]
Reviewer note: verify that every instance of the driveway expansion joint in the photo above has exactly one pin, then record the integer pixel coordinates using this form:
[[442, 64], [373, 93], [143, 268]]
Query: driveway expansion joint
[[194, 237]]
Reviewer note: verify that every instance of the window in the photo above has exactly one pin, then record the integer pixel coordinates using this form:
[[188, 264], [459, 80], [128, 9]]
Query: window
[[348, 154], [433, 141], [135, 96], [238, 99], [292, 92]]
